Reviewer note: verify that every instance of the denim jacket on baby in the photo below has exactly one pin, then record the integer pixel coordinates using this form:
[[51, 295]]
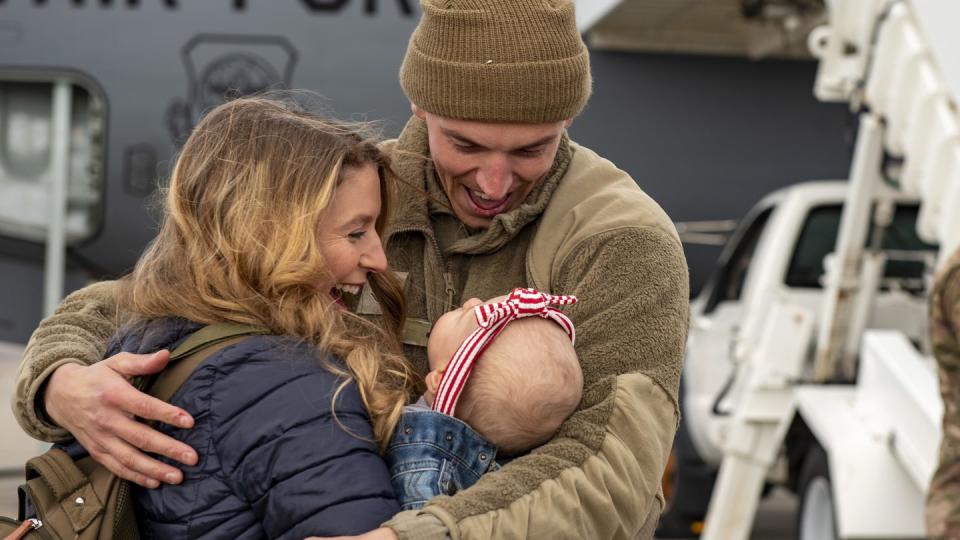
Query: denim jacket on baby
[[432, 453]]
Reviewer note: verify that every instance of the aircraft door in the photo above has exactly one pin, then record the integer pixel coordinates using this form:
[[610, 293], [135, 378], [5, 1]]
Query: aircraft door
[[26, 147]]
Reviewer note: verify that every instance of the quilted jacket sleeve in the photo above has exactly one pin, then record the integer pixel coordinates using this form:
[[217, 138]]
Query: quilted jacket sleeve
[[304, 467]]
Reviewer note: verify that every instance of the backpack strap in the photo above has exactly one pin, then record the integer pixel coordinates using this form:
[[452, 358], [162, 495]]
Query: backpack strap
[[194, 350]]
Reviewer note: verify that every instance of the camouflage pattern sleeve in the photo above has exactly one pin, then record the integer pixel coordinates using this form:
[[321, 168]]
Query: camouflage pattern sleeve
[[943, 500]]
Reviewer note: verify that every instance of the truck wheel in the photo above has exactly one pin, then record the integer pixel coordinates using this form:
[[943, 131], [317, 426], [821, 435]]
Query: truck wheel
[[687, 484], [816, 519]]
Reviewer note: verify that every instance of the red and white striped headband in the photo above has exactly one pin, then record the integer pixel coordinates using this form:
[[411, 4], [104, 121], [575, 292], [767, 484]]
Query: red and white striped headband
[[493, 318]]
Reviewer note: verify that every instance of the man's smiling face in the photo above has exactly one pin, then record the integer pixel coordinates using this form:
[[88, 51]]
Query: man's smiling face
[[488, 168]]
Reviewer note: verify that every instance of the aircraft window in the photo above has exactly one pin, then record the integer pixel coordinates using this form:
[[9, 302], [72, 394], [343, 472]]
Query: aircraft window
[[26, 142], [732, 274], [819, 238]]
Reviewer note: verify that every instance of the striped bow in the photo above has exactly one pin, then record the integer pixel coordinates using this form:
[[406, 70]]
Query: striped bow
[[492, 319]]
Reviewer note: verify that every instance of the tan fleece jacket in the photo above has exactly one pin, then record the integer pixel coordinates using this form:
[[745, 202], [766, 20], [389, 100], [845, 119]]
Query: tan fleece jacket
[[613, 247], [599, 477], [77, 332]]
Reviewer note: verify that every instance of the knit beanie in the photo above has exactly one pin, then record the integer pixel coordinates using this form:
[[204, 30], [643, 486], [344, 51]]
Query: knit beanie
[[497, 61]]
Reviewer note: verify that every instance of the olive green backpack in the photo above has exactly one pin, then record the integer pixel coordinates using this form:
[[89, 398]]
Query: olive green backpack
[[83, 500]]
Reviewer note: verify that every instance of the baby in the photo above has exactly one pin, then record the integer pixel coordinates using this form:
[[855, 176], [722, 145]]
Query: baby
[[504, 376]]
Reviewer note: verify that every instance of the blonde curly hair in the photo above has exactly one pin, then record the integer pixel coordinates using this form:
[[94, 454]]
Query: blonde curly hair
[[239, 242]]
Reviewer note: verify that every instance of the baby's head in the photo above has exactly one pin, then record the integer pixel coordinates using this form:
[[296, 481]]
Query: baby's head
[[525, 384]]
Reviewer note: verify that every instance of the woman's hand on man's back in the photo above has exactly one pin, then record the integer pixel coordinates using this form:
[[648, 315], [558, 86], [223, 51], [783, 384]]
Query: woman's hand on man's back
[[99, 406]]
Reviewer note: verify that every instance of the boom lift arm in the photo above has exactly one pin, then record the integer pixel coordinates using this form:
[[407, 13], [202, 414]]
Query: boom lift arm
[[889, 60]]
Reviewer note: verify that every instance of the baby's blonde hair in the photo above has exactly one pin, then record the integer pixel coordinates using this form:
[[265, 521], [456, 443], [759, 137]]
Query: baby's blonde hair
[[523, 387]]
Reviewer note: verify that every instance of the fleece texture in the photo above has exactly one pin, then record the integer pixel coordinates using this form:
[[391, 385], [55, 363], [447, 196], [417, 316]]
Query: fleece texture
[[77, 332], [631, 280]]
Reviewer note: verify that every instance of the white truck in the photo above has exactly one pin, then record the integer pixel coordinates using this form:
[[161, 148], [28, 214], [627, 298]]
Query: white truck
[[808, 364], [772, 262]]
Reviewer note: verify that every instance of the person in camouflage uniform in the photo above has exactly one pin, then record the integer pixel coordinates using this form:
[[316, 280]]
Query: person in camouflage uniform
[[943, 500]]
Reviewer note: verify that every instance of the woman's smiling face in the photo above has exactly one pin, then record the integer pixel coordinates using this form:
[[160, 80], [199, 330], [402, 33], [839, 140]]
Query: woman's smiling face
[[349, 241]]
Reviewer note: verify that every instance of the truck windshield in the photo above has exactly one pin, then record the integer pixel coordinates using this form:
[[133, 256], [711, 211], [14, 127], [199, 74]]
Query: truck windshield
[[726, 285], [819, 237]]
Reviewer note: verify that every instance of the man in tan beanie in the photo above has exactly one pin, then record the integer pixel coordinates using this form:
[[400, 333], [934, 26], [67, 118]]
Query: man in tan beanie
[[493, 85]]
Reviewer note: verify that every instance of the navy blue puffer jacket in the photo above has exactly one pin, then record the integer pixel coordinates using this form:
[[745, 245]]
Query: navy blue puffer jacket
[[274, 462]]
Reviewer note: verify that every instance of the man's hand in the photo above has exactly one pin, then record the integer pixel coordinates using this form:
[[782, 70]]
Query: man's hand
[[383, 533], [97, 404]]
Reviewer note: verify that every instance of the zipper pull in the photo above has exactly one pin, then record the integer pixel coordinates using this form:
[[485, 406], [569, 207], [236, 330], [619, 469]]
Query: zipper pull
[[24, 528], [451, 292]]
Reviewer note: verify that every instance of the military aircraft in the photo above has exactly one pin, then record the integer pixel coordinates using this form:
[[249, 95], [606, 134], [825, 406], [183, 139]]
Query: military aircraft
[[100, 93]]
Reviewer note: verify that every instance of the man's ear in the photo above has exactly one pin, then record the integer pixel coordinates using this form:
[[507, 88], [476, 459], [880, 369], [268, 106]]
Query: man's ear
[[417, 111], [567, 123]]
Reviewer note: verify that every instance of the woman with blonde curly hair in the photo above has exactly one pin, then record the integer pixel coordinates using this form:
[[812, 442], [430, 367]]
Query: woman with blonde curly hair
[[272, 214]]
